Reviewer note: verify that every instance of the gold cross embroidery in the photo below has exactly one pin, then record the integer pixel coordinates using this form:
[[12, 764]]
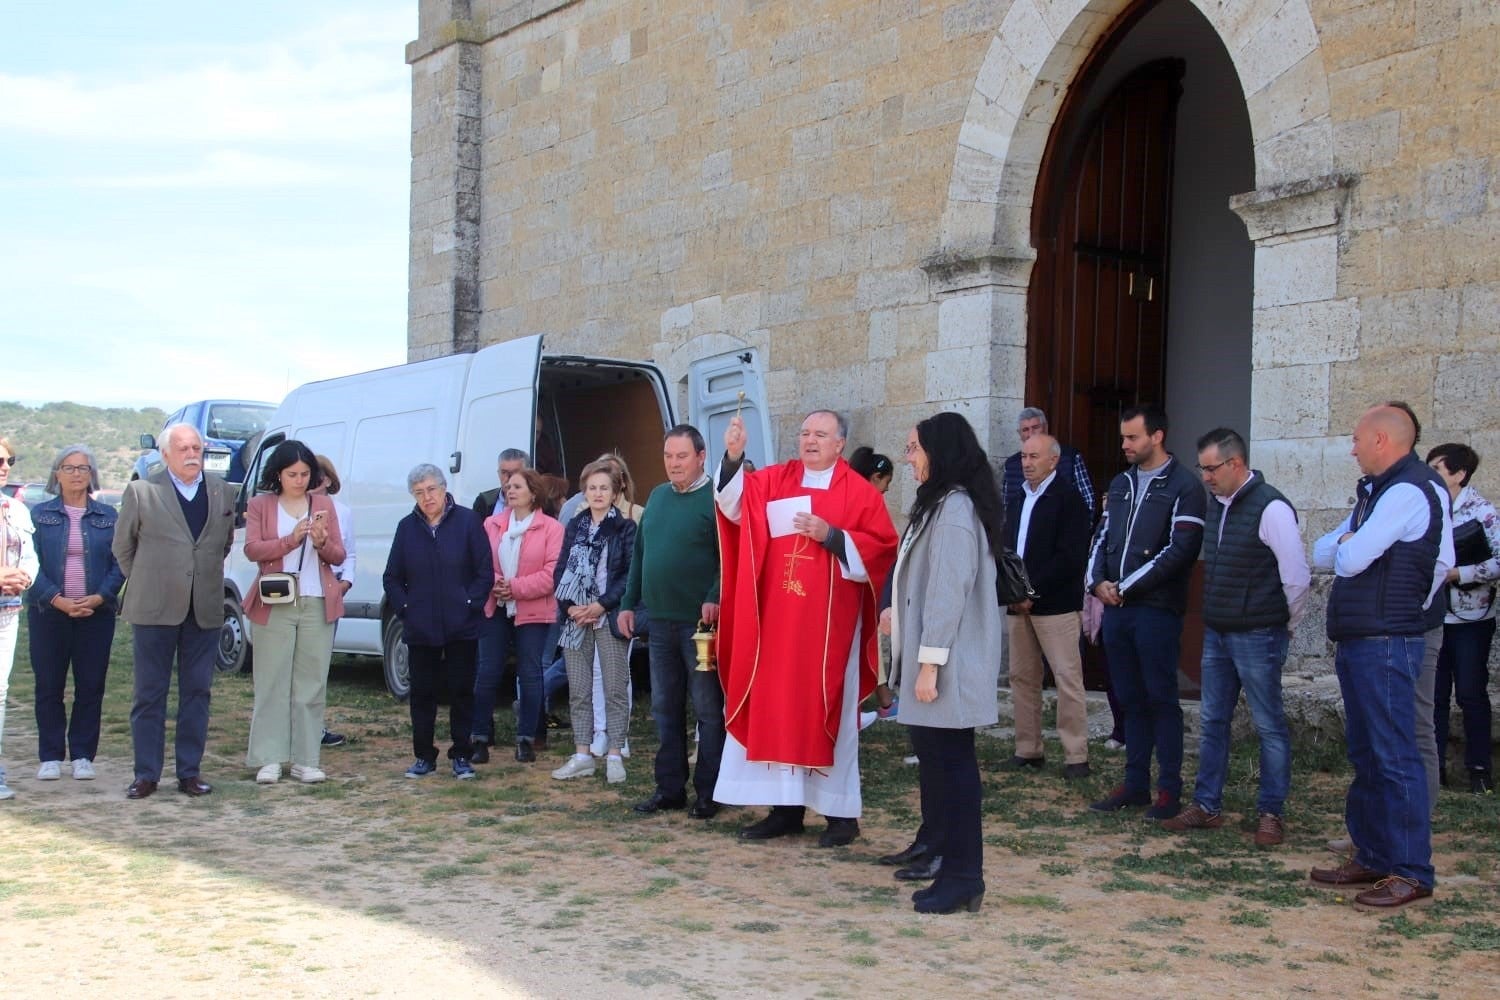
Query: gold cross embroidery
[[789, 582]]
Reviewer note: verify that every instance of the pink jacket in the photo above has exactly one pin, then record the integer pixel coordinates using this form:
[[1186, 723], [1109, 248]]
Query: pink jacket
[[266, 547], [533, 587]]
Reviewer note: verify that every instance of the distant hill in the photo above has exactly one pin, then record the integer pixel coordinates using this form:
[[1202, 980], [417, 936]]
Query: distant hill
[[113, 433]]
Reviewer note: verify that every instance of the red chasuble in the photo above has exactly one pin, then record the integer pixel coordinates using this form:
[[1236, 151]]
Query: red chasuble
[[787, 615]]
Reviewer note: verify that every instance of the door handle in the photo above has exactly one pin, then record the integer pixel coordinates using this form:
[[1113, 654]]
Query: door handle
[[456, 462]]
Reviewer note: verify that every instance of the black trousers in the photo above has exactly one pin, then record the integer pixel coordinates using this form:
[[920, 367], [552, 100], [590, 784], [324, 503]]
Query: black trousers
[[948, 773], [432, 668]]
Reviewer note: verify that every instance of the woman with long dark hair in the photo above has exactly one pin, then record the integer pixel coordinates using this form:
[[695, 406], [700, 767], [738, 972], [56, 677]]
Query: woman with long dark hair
[[945, 641], [291, 528]]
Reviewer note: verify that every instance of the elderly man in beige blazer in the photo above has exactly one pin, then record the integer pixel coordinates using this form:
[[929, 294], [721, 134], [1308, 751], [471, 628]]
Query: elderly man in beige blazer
[[174, 531]]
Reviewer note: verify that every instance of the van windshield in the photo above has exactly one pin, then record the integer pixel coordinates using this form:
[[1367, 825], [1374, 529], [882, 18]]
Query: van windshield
[[237, 421]]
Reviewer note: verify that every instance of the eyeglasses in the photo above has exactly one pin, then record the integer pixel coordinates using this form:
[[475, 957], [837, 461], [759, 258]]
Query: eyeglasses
[[9, 460], [73, 470], [912, 447], [1213, 469]]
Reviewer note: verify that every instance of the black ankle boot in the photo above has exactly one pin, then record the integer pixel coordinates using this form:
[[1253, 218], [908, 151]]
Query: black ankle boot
[[950, 897]]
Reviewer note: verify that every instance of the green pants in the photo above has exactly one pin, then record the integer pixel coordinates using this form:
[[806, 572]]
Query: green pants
[[292, 651]]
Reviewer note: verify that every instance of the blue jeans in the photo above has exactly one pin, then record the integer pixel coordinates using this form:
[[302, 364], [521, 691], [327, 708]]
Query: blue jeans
[[498, 635], [1142, 645], [674, 677], [1250, 660], [1463, 669], [1386, 808], [58, 642]]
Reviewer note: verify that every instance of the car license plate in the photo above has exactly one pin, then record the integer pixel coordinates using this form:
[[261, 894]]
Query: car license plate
[[216, 462]]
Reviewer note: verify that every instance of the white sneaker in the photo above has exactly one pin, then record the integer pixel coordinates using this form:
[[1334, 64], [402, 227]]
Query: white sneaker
[[614, 770], [50, 770], [83, 769], [1341, 845], [598, 747], [578, 766], [911, 760], [625, 749], [268, 775], [1113, 744], [307, 774], [867, 719]]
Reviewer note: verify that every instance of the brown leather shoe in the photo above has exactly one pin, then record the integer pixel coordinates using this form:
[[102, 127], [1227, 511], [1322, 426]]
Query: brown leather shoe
[[140, 788], [1351, 872], [1390, 893], [1270, 831], [194, 786], [1194, 817]]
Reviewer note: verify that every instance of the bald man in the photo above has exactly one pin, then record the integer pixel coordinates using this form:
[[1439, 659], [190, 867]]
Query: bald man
[[1384, 558]]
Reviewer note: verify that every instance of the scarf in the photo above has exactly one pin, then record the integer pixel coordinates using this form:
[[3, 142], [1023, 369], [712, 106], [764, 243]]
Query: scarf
[[510, 552], [580, 579]]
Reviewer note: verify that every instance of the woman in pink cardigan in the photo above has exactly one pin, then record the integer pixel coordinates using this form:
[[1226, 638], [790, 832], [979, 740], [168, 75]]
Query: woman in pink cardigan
[[524, 543], [290, 529]]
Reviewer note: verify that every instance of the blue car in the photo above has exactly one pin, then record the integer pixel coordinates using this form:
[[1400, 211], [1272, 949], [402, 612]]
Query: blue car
[[226, 424]]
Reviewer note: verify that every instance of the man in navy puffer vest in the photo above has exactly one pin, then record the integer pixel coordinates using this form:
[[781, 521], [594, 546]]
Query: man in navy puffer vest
[[1384, 557]]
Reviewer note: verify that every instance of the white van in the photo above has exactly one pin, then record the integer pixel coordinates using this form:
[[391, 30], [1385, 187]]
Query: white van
[[458, 413]]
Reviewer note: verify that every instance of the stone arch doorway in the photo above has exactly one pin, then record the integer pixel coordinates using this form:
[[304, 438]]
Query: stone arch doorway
[[1141, 289], [1290, 203]]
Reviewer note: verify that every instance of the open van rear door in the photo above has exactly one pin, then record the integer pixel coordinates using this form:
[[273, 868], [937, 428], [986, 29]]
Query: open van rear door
[[498, 412], [714, 387]]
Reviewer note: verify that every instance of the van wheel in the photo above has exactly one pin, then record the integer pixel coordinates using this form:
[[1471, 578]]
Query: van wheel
[[397, 668], [234, 639]]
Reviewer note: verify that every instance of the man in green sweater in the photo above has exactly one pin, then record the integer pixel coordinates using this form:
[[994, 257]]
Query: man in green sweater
[[675, 573]]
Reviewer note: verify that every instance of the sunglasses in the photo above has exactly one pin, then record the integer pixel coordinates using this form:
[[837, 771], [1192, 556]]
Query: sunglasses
[[9, 460]]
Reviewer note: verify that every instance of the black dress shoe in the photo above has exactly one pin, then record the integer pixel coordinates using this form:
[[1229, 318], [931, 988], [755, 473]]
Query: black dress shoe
[[916, 851], [840, 832], [525, 752], [1480, 783], [657, 802], [479, 753], [950, 897], [1020, 763], [140, 788], [783, 821], [704, 809], [921, 870], [193, 786]]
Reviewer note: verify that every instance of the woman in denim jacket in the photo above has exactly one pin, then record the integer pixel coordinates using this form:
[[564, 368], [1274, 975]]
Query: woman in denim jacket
[[71, 612]]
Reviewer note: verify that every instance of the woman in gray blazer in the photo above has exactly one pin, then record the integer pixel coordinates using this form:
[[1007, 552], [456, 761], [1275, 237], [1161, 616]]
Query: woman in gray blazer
[[945, 646]]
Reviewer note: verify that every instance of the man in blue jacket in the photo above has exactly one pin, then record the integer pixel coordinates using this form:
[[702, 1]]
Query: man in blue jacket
[[437, 578], [1142, 559]]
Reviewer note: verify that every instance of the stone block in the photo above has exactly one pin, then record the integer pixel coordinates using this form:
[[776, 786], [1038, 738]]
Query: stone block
[[1297, 271], [1422, 320], [1279, 43], [1299, 153], [1305, 333], [881, 289], [1314, 473], [1289, 402], [960, 373], [1355, 386], [1297, 95], [1465, 392], [1479, 318], [883, 329], [1455, 189], [717, 170]]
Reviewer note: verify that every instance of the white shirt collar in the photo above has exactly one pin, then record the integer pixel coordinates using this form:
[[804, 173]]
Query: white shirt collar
[[818, 480], [1026, 485]]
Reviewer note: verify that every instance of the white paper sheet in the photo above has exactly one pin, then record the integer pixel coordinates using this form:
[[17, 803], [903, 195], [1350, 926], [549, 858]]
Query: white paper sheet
[[779, 514]]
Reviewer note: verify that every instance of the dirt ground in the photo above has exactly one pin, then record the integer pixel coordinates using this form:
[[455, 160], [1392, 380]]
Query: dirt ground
[[517, 885]]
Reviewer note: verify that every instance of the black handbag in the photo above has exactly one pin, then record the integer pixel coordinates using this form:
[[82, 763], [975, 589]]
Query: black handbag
[[1470, 545], [1012, 584]]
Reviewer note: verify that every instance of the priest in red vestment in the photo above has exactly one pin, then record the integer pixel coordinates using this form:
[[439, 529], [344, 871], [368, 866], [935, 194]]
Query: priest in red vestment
[[805, 550]]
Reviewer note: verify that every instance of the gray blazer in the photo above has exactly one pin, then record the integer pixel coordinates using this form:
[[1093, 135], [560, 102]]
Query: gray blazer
[[164, 564], [945, 612]]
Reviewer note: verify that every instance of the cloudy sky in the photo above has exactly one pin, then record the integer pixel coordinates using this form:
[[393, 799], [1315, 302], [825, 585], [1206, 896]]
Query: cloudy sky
[[201, 200]]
